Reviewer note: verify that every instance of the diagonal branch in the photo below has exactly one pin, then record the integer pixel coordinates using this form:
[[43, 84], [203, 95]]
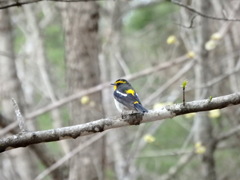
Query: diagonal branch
[[28, 138], [202, 14], [228, 134], [19, 117], [4, 4], [184, 160], [41, 151], [68, 156]]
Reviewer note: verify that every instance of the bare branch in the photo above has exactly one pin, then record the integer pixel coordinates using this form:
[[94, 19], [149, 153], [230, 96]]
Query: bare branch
[[190, 25], [180, 165], [163, 153], [171, 81], [40, 151], [68, 156], [19, 116], [228, 134], [202, 14], [144, 4], [217, 79], [10, 3], [28, 138]]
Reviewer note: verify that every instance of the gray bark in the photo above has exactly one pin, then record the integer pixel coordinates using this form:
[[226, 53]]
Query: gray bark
[[98, 126], [11, 88], [81, 34], [202, 124]]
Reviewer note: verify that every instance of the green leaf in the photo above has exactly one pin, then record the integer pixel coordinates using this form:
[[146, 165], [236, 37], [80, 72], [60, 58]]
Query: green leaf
[[184, 83]]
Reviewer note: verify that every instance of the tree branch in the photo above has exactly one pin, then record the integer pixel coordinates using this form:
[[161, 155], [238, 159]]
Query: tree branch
[[202, 14], [8, 3], [28, 138], [183, 161], [228, 134], [19, 117], [41, 151], [68, 156]]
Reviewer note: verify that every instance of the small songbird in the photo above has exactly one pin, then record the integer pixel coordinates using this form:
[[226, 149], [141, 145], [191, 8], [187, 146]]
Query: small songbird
[[126, 98]]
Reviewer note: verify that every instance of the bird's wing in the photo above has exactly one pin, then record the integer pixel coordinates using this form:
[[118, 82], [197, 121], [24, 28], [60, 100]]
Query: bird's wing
[[138, 98], [127, 98]]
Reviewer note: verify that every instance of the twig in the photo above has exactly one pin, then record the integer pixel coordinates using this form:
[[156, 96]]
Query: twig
[[184, 96], [4, 5], [162, 66], [190, 25], [138, 146], [42, 152], [164, 153], [202, 14], [173, 79], [28, 138], [228, 134], [46, 158], [184, 84], [217, 79], [180, 164], [19, 116], [17, 4], [144, 4]]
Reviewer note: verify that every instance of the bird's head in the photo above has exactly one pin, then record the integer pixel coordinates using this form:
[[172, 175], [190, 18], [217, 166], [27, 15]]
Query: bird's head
[[119, 82]]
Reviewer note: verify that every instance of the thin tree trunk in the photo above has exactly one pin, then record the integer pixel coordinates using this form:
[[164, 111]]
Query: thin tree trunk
[[81, 35], [37, 41], [11, 88], [202, 124]]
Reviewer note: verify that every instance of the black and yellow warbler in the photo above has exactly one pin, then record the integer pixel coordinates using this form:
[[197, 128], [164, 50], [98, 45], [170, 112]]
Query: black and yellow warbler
[[126, 98]]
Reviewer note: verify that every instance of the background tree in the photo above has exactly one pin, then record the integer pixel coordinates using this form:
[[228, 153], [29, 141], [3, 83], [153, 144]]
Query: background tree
[[80, 22], [11, 88], [51, 53]]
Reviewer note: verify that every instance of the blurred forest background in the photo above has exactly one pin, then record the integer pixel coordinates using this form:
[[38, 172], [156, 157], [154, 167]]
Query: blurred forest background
[[51, 50]]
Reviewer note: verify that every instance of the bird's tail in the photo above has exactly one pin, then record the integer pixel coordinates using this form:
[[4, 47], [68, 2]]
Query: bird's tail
[[140, 108]]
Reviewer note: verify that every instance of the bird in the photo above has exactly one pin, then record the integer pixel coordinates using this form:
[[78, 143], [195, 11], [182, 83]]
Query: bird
[[126, 98]]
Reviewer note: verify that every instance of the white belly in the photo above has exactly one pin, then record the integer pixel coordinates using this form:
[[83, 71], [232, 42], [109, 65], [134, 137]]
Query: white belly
[[120, 107]]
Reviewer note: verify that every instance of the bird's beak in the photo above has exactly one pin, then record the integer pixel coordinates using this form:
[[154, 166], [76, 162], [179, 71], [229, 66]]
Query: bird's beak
[[113, 84]]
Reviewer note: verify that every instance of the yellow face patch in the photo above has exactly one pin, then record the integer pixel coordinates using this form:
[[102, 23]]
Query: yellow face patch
[[114, 87], [130, 91], [136, 102], [120, 82]]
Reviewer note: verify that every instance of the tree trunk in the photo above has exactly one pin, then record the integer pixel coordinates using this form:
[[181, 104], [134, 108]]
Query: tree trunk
[[18, 160], [81, 35], [202, 124]]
